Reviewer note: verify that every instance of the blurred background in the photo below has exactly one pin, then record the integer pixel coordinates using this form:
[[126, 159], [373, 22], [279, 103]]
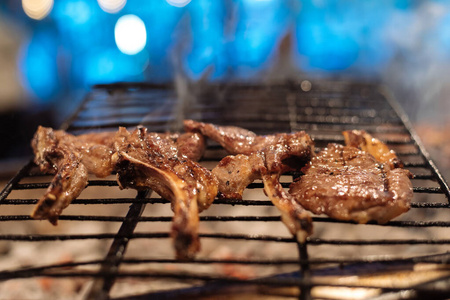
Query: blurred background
[[52, 52]]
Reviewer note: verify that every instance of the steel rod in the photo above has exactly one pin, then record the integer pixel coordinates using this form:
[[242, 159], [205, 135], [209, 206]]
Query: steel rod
[[101, 287]]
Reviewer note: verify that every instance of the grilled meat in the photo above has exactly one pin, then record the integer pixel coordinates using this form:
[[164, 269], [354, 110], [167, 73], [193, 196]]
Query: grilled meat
[[293, 215], [348, 183], [235, 173], [364, 141], [261, 157], [146, 161], [191, 145], [283, 151], [71, 158]]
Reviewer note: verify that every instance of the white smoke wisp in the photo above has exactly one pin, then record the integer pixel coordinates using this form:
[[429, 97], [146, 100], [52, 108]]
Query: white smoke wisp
[[418, 73]]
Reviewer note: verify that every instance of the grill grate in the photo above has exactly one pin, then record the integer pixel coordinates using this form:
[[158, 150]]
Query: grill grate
[[323, 111]]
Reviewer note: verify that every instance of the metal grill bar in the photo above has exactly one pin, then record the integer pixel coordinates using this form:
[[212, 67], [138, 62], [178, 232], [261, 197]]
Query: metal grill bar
[[101, 287], [266, 238], [15, 180], [163, 201], [26, 186], [441, 258], [271, 281], [226, 219]]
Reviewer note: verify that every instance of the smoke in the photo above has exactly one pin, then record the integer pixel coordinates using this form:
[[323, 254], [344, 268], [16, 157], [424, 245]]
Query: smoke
[[404, 45], [417, 74]]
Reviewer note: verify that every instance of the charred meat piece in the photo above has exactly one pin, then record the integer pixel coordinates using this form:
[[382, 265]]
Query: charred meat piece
[[68, 183], [72, 158], [364, 141], [146, 161], [191, 145], [347, 183], [283, 151], [297, 220], [261, 157], [235, 173]]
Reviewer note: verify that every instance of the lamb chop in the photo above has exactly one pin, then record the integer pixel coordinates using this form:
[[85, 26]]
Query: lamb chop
[[380, 151], [283, 151], [261, 157], [71, 158], [159, 161], [235, 173], [146, 161], [348, 183]]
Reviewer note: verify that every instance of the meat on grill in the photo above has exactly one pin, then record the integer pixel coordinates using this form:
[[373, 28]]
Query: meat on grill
[[57, 151], [162, 162], [235, 173], [348, 183], [261, 157], [283, 151], [71, 159], [364, 141], [145, 161]]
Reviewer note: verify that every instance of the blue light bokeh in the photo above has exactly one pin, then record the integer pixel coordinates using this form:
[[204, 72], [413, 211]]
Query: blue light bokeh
[[74, 46], [207, 50], [38, 67], [260, 27]]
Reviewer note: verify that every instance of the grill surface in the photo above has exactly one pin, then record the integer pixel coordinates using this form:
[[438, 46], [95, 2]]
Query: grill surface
[[372, 260]]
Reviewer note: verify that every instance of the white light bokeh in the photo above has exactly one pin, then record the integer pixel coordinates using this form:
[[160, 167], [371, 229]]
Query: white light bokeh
[[37, 9], [178, 3], [111, 6], [130, 34]]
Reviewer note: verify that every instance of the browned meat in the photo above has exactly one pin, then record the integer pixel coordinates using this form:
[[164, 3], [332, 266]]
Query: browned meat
[[145, 161], [69, 182], [235, 140], [282, 151], [261, 157], [364, 141], [347, 183], [191, 145], [71, 158], [293, 215], [235, 173]]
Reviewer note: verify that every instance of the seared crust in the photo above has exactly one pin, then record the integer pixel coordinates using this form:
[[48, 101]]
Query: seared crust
[[145, 161], [261, 157], [346, 183], [235, 173], [297, 220], [362, 140], [283, 151], [71, 158]]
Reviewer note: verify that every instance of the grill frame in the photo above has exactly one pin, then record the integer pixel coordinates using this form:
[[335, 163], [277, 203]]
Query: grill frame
[[291, 92]]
